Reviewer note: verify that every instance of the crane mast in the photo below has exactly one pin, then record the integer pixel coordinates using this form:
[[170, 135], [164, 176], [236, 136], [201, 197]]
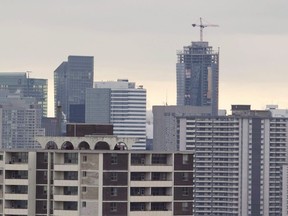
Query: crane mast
[[202, 26]]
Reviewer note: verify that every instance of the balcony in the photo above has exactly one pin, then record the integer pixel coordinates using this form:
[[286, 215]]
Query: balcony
[[15, 196], [16, 181], [16, 166], [65, 213], [66, 166], [151, 168], [151, 198], [149, 183], [151, 213], [15, 211], [66, 183], [68, 198]]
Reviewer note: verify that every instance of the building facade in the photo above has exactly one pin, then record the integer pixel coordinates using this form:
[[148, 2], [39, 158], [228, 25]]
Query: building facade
[[122, 104], [165, 125], [20, 82], [238, 161], [91, 183], [197, 72], [20, 121], [71, 79]]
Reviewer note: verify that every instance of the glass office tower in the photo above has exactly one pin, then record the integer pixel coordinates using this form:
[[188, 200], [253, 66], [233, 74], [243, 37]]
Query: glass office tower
[[20, 82], [71, 79]]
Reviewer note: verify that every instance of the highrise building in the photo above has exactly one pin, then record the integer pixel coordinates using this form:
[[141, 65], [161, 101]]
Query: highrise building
[[119, 103], [95, 183], [20, 121], [20, 82], [165, 124], [238, 163], [197, 71], [71, 79]]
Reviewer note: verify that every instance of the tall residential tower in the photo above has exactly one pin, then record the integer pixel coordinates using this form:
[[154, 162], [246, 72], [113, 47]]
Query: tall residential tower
[[197, 71], [71, 79]]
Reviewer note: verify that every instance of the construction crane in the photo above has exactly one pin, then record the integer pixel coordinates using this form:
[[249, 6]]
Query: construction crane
[[202, 26]]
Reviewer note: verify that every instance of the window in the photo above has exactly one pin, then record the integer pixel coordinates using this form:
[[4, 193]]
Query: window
[[113, 207], [159, 159], [45, 175], [70, 175], [185, 159], [83, 204], [185, 176], [84, 158], [45, 158], [113, 191], [84, 189], [185, 191], [71, 158], [114, 176], [44, 189], [84, 173], [185, 206], [114, 159]]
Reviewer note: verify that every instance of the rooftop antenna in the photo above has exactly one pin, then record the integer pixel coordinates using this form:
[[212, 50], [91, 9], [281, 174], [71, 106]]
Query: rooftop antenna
[[166, 104], [28, 83], [202, 26]]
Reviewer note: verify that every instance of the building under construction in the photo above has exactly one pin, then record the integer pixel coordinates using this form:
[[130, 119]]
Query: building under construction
[[198, 75]]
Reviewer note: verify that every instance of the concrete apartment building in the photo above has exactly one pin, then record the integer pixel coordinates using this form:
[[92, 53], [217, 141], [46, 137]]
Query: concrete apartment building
[[20, 82], [71, 78], [63, 182], [238, 160], [20, 121], [197, 71], [122, 104], [165, 124]]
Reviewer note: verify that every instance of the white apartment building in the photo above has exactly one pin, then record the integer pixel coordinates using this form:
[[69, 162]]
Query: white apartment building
[[20, 121], [122, 104], [95, 182], [238, 161]]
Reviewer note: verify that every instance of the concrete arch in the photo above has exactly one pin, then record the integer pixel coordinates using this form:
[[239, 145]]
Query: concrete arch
[[67, 146], [101, 145], [51, 145], [120, 146], [84, 146]]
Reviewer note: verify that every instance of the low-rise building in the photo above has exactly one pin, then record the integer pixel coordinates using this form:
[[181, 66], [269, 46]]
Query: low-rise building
[[62, 182]]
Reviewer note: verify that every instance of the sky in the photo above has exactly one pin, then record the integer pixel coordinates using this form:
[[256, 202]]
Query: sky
[[138, 40]]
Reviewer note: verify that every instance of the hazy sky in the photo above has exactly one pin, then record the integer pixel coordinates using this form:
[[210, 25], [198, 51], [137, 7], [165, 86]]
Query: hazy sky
[[138, 40]]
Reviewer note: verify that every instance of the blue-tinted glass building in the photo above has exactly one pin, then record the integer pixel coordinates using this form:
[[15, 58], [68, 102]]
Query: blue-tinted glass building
[[20, 82], [71, 79]]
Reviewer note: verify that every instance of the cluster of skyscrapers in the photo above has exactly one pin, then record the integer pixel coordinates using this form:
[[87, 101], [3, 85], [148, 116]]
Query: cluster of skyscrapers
[[204, 162]]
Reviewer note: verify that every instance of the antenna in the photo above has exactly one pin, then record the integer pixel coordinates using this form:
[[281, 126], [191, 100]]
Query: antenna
[[166, 104], [202, 26], [28, 83]]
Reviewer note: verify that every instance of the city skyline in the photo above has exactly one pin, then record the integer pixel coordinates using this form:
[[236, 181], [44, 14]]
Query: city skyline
[[138, 41]]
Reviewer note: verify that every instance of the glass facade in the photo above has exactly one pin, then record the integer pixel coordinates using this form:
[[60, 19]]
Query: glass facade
[[19, 82]]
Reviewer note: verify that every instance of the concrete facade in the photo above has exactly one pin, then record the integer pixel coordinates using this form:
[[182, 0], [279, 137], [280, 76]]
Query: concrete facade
[[239, 161], [20, 121], [89, 183], [165, 124]]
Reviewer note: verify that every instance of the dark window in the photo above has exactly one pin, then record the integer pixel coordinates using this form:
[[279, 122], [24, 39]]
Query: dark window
[[114, 159]]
